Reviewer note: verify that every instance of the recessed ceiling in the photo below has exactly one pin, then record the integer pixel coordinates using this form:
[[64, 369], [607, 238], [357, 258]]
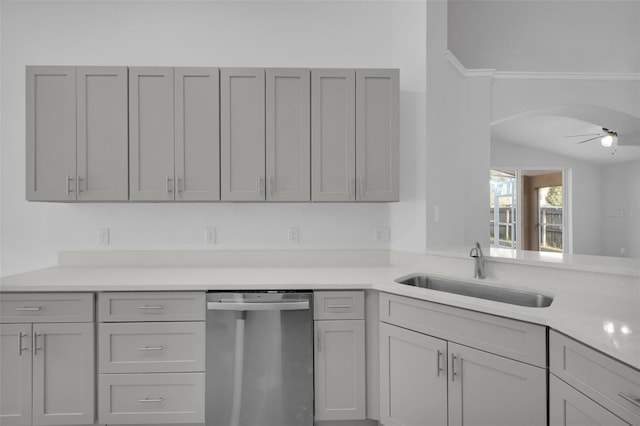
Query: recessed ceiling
[[552, 133]]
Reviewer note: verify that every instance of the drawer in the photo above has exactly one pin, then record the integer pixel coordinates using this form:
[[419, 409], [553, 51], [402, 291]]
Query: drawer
[[332, 305], [151, 398], [151, 347], [513, 339], [611, 383], [46, 307], [151, 306]]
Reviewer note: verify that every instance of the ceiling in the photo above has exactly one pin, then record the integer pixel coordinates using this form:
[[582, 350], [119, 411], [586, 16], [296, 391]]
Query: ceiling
[[550, 132]]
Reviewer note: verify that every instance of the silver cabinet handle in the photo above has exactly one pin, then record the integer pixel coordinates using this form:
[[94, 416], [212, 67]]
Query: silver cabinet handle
[[68, 184], [159, 399], [258, 306], [438, 366], [338, 306], [29, 308], [20, 348], [632, 399], [169, 185], [151, 307], [272, 187], [79, 179], [453, 368], [180, 184], [35, 343], [151, 348]]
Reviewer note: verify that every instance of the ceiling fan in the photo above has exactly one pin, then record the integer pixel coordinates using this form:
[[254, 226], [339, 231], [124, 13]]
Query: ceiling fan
[[607, 137]]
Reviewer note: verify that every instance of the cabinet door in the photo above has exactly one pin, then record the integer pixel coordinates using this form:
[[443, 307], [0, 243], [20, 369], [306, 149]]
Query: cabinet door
[[568, 407], [413, 378], [197, 139], [102, 128], [151, 144], [489, 390], [51, 133], [242, 129], [377, 105], [339, 370], [333, 149], [15, 374], [63, 374], [288, 126]]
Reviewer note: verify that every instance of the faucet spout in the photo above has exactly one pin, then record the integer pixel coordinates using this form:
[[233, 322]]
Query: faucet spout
[[478, 256]]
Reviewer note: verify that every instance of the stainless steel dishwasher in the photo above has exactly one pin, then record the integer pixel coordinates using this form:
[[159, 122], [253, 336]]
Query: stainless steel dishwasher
[[259, 359]]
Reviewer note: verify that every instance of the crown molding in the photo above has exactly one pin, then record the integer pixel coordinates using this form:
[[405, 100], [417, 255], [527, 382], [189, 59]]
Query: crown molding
[[538, 75]]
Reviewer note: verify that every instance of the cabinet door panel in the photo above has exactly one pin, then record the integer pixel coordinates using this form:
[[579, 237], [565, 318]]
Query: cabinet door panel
[[333, 135], [63, 374], [51, 133], [151, 143], [413, 378], [489, 390], [340, 370], [568, 407], [377, 134], [242, 113], [197, 122], [288, 127], [102, 127], [15, 374]]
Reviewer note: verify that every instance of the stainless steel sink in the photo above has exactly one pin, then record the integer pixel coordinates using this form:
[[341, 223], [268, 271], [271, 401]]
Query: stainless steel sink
[[498, 294]]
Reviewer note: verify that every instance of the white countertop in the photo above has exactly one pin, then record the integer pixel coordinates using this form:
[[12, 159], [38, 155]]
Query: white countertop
[[601, 311]]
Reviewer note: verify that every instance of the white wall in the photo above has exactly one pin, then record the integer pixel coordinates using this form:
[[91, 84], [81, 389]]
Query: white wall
[[586, 190], [546, 35], [216, 33], [621, 209]]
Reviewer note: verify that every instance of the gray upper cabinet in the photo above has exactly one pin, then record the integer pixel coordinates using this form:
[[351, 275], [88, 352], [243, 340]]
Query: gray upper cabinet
[[333, 135], [76, 133], [242, 129], [151, 144], [174, 134], [354, 134], [197, 134], [288, 145], [377, 115]]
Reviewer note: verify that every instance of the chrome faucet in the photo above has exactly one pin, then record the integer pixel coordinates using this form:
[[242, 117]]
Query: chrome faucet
[[476, 253]]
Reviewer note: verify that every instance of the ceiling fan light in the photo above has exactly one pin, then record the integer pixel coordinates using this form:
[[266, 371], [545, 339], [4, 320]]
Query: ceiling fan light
[[607, 141]]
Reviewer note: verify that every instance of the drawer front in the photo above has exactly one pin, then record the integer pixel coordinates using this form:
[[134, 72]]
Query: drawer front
[[332, 305], [513, 339], [46, 307], [614, 385], [151, 306], [151, 398], [151, 347]]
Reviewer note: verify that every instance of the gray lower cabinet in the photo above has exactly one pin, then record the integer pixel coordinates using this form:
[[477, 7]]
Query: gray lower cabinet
[[432, 379], [76, 133], [47, 368], [339, 361], [586, 384], [354, 134], [174, 134]]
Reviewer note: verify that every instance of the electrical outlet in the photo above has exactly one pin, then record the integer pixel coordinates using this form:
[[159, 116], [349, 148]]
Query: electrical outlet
[[103, 236], [210, 236], [381, 234], [294, 235]]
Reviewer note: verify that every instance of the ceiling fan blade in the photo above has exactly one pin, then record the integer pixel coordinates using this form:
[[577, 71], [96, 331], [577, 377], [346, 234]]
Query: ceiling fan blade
[[582, 136], [588, 140]]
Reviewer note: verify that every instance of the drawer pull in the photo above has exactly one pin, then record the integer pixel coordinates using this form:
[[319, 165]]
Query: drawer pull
[[151, 348], [160, 399], [439, 368], [338, 306], [29, 308], [632, 399], [35, 344], [151, 307], [453, 368], [20, 348]]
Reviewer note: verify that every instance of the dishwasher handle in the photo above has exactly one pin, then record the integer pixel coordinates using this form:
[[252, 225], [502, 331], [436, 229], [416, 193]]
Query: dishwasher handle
[[260, 306]]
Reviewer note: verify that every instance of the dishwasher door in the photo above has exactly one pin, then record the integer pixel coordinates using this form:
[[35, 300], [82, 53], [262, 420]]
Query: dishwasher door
[[259, 359]]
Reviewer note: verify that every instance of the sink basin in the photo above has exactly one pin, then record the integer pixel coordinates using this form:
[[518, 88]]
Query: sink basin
[[497, 294]]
